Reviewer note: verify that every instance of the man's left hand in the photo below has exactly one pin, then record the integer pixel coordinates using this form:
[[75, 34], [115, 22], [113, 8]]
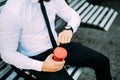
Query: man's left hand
[[64, 37]]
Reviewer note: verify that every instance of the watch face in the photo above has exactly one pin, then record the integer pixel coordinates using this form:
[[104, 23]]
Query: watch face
[[67, 27]]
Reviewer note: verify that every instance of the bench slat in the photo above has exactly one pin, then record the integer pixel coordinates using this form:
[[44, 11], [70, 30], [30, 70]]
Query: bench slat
[[77, 73], [110, 21], [90, 14], [86, 11], [95, 15], [106, 18], [73, 3], [70, 70], [83, 7], [11, 76], [79, 4], [96, 22], [1, 64], [5, 70]]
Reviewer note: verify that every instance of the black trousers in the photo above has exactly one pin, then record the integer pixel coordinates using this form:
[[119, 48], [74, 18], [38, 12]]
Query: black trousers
[[78, 55]]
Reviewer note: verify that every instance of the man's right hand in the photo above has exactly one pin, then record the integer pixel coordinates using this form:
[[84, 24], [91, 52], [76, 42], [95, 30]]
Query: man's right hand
[[49, 65]]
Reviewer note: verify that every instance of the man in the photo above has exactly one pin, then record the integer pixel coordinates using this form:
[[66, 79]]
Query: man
[[25, 42]]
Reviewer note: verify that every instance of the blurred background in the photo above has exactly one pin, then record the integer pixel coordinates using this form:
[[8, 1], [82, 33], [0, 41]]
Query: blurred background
[[108, 43]]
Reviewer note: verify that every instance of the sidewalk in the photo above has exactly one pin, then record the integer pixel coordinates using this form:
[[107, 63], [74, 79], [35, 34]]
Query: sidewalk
[[107, 43]]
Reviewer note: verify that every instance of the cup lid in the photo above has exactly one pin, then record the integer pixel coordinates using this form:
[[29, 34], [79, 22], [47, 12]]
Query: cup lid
[[60, 52]]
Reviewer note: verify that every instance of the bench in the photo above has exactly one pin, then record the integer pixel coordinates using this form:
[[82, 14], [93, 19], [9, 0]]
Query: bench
[[98, 16], [7, 72]]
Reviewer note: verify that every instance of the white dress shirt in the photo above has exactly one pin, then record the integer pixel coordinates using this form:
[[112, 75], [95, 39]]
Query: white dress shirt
[[23, 32]]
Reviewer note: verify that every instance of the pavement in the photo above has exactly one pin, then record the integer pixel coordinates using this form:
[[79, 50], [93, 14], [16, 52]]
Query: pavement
[[108, 43]]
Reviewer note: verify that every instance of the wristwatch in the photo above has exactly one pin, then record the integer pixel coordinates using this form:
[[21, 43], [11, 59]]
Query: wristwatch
[[69, 28]]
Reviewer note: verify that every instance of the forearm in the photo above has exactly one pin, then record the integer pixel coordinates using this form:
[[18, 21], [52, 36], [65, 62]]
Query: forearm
[[74, 22], [68, 14], [21, 61]]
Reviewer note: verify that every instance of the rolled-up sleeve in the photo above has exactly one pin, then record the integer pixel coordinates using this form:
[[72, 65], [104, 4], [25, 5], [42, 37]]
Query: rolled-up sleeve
[[68, 14], [10, 27]]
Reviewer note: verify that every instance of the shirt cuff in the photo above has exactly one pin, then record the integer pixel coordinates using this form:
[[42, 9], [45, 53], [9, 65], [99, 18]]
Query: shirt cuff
[[36, 65], [75, 23]]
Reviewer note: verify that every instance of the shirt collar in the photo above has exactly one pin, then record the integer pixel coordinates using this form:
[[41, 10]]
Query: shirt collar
[[34, 1]]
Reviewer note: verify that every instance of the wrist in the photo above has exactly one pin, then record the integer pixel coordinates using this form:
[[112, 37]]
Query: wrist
[[68, 28]]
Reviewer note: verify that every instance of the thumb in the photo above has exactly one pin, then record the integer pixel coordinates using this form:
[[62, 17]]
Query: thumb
[[50, 56], [58, 43]]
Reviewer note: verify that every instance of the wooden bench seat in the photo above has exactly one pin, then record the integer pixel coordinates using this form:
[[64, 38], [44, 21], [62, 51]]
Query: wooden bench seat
[[98, 16], [7, 72]]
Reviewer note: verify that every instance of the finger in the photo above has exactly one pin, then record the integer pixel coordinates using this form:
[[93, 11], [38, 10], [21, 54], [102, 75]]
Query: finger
[[62, 40], [61, 63], [50, 56], [68, 39], [59, 68], [59, 39], [65, 39], [58, 43]]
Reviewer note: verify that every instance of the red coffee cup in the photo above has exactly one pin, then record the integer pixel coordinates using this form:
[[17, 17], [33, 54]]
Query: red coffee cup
[[59, 54]]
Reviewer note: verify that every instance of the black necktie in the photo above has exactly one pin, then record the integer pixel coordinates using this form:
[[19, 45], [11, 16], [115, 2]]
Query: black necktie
[[54, 44]]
